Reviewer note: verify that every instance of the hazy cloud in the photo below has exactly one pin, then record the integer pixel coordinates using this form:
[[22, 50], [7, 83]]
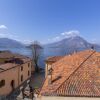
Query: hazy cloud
[[56, 38], [63, 35], [3, 27], [4, 33], [71, 33]]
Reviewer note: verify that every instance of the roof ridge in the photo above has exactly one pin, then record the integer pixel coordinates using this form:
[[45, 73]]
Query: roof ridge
[[1, 68], [76, 69]]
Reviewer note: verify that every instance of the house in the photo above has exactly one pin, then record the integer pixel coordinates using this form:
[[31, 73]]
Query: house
[[49, 61], [75, 75], [15, 70]]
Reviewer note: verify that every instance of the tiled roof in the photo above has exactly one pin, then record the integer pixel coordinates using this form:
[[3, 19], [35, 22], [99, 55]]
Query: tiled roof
[[15, 60], [7, 66], [53, 58], [6, 54], [85, 81], [79, 76]]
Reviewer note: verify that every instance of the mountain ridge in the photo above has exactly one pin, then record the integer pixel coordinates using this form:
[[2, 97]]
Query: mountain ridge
[[10, 43], [71, 44]]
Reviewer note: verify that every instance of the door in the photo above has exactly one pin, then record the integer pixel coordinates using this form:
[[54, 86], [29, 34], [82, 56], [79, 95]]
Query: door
[[13, 84]]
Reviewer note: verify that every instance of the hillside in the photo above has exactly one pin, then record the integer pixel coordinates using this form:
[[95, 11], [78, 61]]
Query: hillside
[[9, 43]]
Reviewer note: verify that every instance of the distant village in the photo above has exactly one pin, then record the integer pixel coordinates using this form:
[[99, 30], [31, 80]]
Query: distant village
[[74, 75]]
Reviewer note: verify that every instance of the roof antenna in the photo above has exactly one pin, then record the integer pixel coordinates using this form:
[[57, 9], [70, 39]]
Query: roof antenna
[[92, 47]]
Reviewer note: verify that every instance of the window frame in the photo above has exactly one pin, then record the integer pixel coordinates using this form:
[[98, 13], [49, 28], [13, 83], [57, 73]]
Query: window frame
[[2, 83], [21, 78], [21, 68], [28, 73], [28, 65]]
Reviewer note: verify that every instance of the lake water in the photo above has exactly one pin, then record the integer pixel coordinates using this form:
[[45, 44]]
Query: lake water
[[46, 52], [23, 51], [26, 52]]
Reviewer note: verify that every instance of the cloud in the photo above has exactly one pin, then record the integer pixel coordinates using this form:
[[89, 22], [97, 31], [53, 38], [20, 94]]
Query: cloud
[[66, 34], [71, 33], [56, 38], [4, 33], [8, 35], [3, 27], [27, 41]]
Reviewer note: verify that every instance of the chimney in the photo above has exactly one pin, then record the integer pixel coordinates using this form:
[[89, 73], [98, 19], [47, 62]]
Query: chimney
[[92, 47], [75, 51], [50, 76]]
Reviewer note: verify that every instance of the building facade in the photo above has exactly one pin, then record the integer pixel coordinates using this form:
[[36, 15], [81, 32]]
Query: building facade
[[14, 72], [49, 62]]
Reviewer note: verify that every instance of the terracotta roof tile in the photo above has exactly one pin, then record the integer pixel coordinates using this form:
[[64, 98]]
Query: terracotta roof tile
[[54, 58], [15, 60], [8, 66], [79, 75], [6, 54], [84, 82]]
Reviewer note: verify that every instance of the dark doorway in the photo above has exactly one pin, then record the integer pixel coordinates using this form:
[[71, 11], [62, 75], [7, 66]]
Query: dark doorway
[[13, 84]]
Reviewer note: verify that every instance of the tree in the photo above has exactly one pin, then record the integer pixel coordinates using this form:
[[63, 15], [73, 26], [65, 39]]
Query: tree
[[36, 52]]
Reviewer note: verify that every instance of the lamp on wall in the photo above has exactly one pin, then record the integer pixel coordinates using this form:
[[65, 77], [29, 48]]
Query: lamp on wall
[[50, 75]]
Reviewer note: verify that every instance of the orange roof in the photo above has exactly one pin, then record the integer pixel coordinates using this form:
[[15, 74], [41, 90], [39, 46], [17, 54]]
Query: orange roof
[[1, 69], [6, 54], [79, 75], [54, 58], [16, 59], [7, 66]]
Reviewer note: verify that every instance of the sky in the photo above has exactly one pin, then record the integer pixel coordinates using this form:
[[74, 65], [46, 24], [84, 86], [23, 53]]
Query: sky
[[49, 20]]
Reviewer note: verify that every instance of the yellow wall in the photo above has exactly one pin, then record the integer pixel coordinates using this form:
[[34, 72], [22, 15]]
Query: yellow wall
[[24, 72], [14, 74], [48, 65], [8, 76]]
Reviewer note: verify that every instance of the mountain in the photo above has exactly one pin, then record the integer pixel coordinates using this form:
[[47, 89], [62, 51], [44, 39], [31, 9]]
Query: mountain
[[9, 43], [35, 46], [69, 45]]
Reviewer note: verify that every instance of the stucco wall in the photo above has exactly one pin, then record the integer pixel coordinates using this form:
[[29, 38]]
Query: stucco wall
[[14, 74], [25, 72], [47, 67], [8, 76]]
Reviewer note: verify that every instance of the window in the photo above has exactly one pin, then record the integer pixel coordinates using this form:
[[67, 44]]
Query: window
[[28, 73], [21, 68], [13, 84], [28, 64], [31, 64], [2, 83], [21, 78]]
